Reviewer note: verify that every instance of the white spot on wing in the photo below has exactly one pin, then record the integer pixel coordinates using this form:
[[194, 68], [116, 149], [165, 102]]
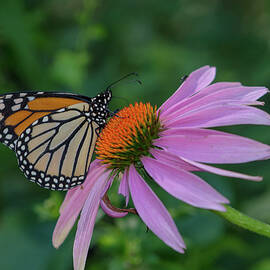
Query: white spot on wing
[[45, 119], [16, 107], [9, 136], [18, 100]]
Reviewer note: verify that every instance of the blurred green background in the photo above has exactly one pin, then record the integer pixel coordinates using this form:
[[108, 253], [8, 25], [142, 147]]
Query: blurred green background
[[82, 46]]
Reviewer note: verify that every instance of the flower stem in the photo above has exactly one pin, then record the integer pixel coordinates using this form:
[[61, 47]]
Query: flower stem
[[245, 221]]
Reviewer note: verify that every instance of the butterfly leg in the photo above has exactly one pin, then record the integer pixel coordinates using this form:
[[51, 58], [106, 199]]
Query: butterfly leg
[[98, 130]]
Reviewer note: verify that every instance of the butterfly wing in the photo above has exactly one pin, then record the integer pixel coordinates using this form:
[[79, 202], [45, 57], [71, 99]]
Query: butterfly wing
[[53, 134], [19, 110], [55, 150]]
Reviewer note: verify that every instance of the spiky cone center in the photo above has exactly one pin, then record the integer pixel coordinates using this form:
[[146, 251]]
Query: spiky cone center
[[128, 136]]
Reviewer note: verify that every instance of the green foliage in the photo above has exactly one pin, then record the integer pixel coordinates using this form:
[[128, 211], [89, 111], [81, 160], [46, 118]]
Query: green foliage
[[49, 208], [84, 45]]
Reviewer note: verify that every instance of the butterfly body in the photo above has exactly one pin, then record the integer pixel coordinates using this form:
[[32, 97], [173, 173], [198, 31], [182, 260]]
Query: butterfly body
[[53, 134]]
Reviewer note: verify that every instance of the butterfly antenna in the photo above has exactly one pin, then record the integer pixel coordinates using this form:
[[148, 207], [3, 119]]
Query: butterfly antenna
[[124, 77]]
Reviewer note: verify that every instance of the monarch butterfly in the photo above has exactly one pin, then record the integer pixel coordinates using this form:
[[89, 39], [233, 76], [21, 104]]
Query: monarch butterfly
[[53, 134]]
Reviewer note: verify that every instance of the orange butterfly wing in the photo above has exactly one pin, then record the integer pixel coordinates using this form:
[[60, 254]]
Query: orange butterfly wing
[[20, 110]]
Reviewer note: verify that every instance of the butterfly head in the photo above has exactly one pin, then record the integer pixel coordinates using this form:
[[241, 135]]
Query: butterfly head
[[99, 107]]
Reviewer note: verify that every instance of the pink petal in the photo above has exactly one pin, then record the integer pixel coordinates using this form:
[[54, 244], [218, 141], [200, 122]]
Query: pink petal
[[244, 96], [214, 88], [110, 212], [73, 191], [184, 185], [218, 92], [74, 203], [123, 187], [168, 158], [172, 159], [153, 212], [229, 90], [108, 185], [221, 115], [87, 221], [240, 93], [188, 110], [222, 172], [68, 197], [211, 146], [197, 80], [107, 210]]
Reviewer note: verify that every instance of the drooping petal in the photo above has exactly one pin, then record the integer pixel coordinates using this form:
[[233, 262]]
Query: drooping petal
[[197, 80], [221, 115], [108, 185], [68, 197], [123, 187], [153, 212], [167, 157], [111, 212], [87, 221], [184, 185], [211, 146], [74, 203], [222, 172], [73, 191]]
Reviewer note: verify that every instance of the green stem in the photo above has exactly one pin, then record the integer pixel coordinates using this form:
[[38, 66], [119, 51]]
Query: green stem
[[245, 221]]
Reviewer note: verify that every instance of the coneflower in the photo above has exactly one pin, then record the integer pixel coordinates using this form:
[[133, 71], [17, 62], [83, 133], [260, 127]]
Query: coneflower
[[168, 144]]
